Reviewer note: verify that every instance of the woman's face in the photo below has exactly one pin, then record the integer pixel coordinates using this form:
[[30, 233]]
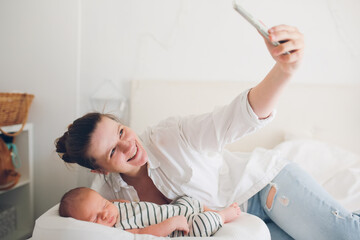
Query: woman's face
[[116, 148]]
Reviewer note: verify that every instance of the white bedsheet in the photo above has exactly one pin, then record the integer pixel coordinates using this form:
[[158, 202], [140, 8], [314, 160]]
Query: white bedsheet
[[336, 169]]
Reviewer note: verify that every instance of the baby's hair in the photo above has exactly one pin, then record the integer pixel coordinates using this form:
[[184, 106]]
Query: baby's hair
[[68, 201]]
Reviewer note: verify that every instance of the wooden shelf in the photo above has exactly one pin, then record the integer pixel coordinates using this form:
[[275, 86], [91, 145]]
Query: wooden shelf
[[21, 183], [21, 196]]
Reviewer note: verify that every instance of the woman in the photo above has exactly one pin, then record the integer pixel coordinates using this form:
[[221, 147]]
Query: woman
[[186, 156]]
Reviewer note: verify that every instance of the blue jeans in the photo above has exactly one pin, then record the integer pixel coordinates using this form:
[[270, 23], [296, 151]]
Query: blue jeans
[[302, 209]]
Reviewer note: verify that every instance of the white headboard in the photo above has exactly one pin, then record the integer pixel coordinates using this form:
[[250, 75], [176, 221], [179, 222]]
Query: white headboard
[[330, 113]]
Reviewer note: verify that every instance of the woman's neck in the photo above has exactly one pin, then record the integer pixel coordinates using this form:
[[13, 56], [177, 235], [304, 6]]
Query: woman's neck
[[145, 187], [135, 176]]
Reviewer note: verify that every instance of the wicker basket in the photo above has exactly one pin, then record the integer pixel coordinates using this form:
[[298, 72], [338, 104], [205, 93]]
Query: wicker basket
[[14, 109]]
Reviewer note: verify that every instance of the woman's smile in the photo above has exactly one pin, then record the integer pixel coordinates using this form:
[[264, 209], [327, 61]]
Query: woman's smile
[[133, 156], [116, 147]]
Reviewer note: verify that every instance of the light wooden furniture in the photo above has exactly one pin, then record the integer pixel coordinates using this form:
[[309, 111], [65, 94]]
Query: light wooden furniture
[[21, 196]]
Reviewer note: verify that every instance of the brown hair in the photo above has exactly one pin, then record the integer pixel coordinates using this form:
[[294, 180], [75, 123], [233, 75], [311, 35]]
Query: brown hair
[[68, 201], [73, 146]]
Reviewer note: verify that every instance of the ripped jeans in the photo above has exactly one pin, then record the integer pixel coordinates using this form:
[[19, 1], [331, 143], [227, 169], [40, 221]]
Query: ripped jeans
[[295, 206]]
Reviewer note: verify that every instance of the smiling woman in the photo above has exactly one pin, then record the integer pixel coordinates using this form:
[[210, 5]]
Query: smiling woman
[[116, 148], [98, 138], [101, 143]]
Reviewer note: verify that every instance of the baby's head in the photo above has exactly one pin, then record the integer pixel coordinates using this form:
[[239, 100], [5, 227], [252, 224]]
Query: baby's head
[[87, 205]]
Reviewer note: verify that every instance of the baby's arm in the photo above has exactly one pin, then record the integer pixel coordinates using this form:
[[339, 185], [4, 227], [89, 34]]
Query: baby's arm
[[119, 200], [228, 214], [164, 228]]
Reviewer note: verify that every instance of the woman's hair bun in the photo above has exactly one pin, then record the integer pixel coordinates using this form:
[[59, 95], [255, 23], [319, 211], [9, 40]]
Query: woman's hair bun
[[72, 146], [60, 143], [66, 158]]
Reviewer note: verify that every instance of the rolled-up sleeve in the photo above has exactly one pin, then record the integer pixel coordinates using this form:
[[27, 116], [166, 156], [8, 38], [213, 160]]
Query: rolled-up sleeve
[[226, 124]]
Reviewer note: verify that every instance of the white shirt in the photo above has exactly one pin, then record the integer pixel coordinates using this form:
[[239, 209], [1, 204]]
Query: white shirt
[[187, 157]]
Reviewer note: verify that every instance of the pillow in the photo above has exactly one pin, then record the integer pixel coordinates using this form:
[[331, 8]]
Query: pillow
[[51, 226]]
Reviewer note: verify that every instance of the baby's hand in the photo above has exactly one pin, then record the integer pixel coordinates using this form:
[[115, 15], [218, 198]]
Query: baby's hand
[[292, 41], [181, 224]]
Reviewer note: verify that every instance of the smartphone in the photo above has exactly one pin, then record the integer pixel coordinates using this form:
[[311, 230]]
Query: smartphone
[[256, 23]]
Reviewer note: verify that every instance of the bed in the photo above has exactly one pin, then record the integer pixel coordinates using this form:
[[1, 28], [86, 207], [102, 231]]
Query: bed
[[316, 126]]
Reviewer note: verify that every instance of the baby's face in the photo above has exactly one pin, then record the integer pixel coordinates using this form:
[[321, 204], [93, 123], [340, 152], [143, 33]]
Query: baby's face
[[92, 207]]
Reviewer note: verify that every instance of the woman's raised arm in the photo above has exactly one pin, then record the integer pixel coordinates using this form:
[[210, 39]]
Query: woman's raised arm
[[264, 96]]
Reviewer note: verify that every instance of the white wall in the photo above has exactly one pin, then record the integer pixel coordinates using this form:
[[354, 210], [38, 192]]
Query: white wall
[[38, 48], [62, 51], [208, 40]]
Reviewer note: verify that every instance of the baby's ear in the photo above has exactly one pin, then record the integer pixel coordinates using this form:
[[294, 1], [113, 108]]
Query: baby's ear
[[99, 171]]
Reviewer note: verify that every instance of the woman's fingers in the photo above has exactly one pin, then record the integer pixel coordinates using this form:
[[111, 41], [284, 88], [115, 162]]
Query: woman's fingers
[[284, 35], [290, 58], [283, 27], [292, 41], [291, 46]]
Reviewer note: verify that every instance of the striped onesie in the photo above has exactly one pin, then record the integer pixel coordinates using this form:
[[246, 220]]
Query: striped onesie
[[143, 214]]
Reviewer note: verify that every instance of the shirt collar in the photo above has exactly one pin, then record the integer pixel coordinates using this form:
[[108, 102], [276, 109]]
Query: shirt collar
[[116, 180]]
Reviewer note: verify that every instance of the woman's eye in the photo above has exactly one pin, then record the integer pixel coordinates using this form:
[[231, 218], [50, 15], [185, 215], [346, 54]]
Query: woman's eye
[[112, 152], [121, 132]]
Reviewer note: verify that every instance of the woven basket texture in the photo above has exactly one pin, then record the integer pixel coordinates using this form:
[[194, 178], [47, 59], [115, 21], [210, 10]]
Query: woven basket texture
[[14, 108]]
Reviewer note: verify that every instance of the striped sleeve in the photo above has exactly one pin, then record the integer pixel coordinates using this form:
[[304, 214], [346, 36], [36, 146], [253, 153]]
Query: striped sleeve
[[205, 224]]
